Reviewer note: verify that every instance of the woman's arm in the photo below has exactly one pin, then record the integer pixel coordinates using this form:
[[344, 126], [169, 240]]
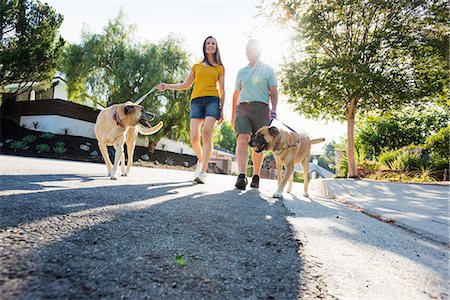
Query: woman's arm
[[222, 96], [178, 86]]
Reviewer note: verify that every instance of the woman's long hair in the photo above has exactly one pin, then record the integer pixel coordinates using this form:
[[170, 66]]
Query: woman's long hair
[[216, 55]]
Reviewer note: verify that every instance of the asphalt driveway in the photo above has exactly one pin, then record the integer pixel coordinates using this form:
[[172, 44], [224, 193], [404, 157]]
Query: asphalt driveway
[[67, 231]]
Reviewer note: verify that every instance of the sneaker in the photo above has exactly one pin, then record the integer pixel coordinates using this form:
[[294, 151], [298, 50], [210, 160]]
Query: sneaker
[[201, 178], [241, 182], [198, 169], [255, 182]]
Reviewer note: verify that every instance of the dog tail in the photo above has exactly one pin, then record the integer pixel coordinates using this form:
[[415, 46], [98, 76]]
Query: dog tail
[[151, 130], [316, 141]]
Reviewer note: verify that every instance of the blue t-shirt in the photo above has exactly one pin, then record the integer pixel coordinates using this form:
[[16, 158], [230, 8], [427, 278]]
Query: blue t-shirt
[[254, 83]]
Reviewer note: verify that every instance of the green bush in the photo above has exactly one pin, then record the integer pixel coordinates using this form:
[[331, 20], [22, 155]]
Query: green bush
[[342, 167], [47, 135], [41, 148], [439, 143], [19, 145], [387, 157], [29, 138], [60, 144], [298, 177], [59, 149]]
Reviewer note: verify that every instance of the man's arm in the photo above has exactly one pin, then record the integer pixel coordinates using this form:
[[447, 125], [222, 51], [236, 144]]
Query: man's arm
[[233, 106], [274, 101]]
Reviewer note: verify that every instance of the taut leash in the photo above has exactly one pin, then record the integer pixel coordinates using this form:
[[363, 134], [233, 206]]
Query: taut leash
[[139, 101], [275, 118]]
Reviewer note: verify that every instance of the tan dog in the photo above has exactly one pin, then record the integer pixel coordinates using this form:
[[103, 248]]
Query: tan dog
[[289, 148], [118, 124]]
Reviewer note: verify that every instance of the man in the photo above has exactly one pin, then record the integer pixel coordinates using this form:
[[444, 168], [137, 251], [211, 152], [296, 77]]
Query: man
[[256, 86]]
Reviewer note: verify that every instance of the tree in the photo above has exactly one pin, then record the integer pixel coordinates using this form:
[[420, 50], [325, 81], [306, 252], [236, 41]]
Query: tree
[[30, 44], [328, 159], [376, 132], [357, 56], [227, 137], [110, 68]]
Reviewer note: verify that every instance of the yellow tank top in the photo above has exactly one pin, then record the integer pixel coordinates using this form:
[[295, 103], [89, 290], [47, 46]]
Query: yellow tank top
[[206, 78]]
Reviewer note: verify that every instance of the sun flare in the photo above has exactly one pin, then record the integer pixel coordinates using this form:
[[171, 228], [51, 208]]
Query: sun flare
[[275, 42]]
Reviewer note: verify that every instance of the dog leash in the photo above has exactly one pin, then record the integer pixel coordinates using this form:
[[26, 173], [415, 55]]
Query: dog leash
[[275, 118], [139, 101]]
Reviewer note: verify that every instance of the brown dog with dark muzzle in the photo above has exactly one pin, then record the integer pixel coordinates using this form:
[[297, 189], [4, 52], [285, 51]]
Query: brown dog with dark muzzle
[[289, 148], [120, 124]]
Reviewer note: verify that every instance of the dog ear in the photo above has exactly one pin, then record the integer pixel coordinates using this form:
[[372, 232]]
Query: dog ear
[[129, 109], [273, 131]]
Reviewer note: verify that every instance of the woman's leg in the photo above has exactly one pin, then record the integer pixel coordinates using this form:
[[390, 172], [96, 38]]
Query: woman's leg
[[196, 124], [207, 133]]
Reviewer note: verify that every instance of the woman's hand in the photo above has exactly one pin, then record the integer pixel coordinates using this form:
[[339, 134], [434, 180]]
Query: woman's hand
[[221, 118], [161, 86]]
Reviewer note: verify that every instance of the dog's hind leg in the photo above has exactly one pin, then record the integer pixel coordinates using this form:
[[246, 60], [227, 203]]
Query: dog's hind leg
[[104, 151], [305, 165], [122, 164], [117, 158]]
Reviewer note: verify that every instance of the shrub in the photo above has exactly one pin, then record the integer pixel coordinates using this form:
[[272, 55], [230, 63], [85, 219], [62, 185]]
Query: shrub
[[407, 158], [387, 157], [19, 145], [29, 138], [59, 149], [60, 144], [439, 143], [42, 148], [169, 161], [342, 167], [47, 135]]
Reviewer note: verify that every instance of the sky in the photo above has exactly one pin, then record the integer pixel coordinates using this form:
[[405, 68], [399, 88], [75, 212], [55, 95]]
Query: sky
[[231, 22]]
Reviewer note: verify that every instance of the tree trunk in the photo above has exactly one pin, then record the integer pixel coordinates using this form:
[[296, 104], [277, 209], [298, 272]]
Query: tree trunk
[[351, 112]]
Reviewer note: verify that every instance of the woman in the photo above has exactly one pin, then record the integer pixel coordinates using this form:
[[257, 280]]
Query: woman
[[206, 102]]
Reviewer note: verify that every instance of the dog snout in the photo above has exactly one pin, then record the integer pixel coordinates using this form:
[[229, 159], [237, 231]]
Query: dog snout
[[251, 143], [148, 116]]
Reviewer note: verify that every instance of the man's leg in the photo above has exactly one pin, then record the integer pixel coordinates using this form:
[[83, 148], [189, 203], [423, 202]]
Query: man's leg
[[242, 158], [257, 159]]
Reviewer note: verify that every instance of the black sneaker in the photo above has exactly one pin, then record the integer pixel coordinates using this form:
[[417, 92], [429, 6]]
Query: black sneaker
[[241, 182], [255, 182]]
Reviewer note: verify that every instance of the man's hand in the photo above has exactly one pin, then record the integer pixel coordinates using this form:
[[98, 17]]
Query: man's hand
[[273, 114]]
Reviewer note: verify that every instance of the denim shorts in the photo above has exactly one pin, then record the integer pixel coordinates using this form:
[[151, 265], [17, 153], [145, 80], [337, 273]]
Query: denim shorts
[[202, 107]]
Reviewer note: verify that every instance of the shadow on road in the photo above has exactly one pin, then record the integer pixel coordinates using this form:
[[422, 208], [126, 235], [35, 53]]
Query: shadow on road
[[169, 240]]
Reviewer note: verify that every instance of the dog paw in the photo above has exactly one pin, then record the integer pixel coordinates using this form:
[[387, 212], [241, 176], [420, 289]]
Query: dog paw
[[278, 195], [306, 195], [114, 177]]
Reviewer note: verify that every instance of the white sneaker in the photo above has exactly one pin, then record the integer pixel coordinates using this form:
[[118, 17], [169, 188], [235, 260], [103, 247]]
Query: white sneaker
[[201, 178], [198, 169]]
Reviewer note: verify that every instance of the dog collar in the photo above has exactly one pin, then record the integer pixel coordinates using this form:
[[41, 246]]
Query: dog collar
[[116, 118], [277, 148]]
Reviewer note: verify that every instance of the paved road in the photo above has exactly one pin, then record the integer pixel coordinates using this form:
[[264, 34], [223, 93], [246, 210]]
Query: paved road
[[67, 231]]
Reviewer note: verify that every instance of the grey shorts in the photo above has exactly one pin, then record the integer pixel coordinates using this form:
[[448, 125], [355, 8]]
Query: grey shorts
[[250, 116]]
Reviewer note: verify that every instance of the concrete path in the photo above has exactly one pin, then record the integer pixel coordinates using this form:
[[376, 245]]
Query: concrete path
[[421, 208], [67, 231]]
